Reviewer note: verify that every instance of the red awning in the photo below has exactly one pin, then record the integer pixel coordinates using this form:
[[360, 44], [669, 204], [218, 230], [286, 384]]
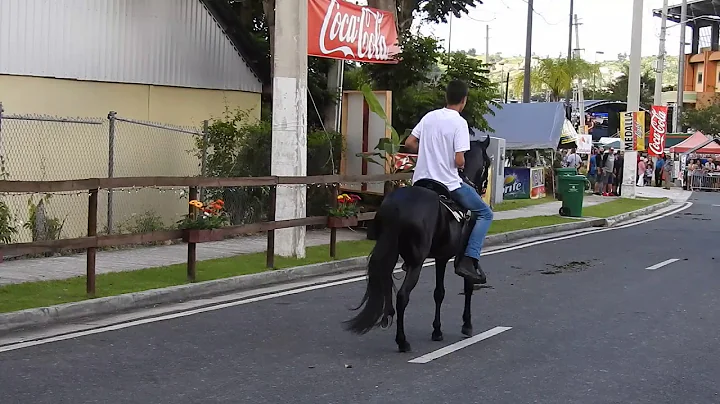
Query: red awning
[[694, 141]]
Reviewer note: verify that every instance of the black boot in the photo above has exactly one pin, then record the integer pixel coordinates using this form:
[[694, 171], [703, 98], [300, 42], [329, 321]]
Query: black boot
[[469, 269]]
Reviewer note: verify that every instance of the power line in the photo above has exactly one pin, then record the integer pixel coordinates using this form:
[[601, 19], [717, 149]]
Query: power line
[[534, 12]]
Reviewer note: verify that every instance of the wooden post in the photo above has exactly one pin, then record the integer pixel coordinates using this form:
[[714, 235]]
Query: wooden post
[[333, 231], [270, 252], [92, 251], [192, 247]]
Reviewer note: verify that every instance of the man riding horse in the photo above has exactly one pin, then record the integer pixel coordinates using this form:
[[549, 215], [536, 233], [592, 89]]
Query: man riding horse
[[424, 221], [443, 139]]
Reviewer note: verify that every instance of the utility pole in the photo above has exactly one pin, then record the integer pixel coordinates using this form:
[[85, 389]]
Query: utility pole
[[449, 38], [660, 68], [528, 53], [677, 111], [657, 99], [581, 98], [568, 95], [487, 44], [289, 120], [633, 99]]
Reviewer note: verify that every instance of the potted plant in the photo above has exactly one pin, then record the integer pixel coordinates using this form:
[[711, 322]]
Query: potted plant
[[345, 213], [201, 223]]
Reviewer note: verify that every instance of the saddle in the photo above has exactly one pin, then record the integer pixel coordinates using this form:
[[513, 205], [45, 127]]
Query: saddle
[[460, 213]]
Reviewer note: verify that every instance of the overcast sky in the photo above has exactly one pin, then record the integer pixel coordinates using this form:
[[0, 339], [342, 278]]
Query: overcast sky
[[606, 26]]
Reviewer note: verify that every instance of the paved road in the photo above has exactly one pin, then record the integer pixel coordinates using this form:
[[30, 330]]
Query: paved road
[[603, 329]]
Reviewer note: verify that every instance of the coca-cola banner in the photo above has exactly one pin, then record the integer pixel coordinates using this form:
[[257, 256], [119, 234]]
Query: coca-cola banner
[[341, 30], [658, 130]]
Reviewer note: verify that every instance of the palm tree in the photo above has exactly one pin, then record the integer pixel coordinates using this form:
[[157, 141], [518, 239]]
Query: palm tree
[[555, 75]]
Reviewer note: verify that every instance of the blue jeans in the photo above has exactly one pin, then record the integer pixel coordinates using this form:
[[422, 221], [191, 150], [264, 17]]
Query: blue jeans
[[469, 198]]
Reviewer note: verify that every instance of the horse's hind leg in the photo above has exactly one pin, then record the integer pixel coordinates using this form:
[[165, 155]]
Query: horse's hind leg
[[439, 295], [467, 328], [403, 297]]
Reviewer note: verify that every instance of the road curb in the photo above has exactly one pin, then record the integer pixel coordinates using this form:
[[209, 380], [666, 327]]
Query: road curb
[[175, 294], [613, 220]]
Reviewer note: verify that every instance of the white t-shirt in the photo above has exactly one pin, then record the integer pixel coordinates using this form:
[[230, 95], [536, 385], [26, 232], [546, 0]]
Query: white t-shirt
[[441, 133], [573, 160]]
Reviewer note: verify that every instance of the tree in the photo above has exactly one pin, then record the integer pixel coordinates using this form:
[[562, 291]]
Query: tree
[[418, 84], [433, 10], [618, 89], [706, 119], [555, 75], [472, 52]]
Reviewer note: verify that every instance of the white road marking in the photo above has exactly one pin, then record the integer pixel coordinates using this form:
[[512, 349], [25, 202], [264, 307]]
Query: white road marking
[[717, 206], [134, 323], [662, 264], [459, 345]]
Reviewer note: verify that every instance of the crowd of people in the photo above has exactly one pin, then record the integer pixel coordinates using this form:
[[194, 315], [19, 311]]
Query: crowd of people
[[605, 170], [703, 173]]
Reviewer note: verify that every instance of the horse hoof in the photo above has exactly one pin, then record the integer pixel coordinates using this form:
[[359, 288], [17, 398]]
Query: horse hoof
[[404, 347], [467, 331], [437, 336]]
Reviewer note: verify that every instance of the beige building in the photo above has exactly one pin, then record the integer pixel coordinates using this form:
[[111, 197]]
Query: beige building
[[164, 66]]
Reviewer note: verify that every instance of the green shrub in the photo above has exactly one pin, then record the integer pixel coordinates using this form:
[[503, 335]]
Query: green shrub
[[7, 224], [240, 146], [146, 222]]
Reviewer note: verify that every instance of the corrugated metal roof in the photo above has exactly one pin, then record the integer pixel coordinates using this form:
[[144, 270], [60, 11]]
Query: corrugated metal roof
[[160, 42]]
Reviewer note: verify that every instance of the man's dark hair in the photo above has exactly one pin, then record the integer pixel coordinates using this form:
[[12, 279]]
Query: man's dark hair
[[455, 92]]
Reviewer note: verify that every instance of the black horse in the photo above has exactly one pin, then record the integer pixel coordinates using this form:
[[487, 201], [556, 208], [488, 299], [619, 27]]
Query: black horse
[[417, 223]]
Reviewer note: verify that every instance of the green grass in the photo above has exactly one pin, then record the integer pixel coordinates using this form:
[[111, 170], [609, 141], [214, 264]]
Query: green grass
[[504, 226], [39, 294], [619, 206], [521, 203], [46, 293]]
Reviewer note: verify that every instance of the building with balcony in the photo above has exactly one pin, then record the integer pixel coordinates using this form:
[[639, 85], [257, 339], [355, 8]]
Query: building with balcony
[[702, 73]]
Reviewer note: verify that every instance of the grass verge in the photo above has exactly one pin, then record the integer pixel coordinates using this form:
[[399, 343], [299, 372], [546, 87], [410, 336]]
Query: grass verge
[[620, 206], [46, 293], [521, 203]]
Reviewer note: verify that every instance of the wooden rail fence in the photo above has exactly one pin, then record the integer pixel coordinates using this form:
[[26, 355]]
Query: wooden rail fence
[[93, 241]]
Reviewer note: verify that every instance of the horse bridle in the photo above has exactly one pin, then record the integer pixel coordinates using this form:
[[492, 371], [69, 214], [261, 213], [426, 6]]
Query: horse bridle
[[466, 179]]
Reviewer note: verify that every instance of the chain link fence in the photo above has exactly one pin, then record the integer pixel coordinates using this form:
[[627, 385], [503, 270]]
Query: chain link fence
[[48, 148]]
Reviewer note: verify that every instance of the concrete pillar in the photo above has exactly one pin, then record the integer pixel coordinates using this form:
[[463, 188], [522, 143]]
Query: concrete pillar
[[629, 180], [715, 36], [695, 44], [289, 120]]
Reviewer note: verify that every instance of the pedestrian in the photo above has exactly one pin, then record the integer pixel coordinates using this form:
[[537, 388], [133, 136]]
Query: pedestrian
[[573, 160], [641, 172], [667, 171], [619, 169], [608, 170], [659, 170], [593, 171]]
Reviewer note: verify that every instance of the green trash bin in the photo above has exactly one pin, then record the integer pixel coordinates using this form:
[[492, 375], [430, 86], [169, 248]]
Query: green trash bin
[[562, 172], [573, 194]]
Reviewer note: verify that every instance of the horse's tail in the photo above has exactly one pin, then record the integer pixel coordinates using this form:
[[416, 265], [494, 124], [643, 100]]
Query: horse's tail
[[377, 301]]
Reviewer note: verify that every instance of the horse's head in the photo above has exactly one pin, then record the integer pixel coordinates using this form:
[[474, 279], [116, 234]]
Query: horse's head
[[477, 163]]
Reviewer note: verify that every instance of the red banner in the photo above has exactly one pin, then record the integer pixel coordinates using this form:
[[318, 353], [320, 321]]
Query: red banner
[[658, 130], [342, 30]]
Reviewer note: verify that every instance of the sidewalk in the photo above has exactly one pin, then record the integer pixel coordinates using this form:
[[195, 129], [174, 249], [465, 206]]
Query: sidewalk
[[548, 209], [42, 269], [28, 270]]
